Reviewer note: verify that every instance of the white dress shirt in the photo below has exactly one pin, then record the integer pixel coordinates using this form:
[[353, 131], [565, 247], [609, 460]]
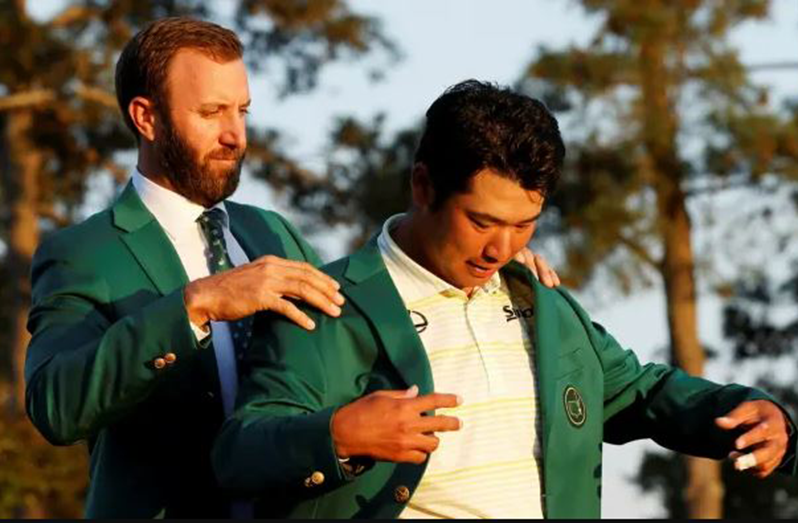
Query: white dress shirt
[[178, 218]]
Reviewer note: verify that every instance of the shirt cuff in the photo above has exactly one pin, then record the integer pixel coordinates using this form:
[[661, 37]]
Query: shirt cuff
[[199, 332]]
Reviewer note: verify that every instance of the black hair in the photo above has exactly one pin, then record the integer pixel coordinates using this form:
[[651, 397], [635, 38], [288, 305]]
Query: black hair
[[478, 125]]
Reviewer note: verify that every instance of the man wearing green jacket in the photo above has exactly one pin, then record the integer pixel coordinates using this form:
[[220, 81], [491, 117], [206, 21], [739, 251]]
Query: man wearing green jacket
[[134, 331], [453, 384]]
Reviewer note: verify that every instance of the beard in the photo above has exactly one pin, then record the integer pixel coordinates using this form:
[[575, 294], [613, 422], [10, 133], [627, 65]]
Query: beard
[[198, 180]]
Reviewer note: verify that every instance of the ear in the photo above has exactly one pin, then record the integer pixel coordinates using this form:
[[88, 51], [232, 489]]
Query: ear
[[142, 112], [421, 187]]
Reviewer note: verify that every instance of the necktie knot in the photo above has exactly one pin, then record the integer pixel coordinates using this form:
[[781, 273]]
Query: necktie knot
[[212, 223]]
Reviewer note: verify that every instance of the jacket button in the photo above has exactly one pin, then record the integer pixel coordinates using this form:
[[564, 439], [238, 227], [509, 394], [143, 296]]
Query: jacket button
[[170, 358], [159, 363], [315, 479], [401, 494]]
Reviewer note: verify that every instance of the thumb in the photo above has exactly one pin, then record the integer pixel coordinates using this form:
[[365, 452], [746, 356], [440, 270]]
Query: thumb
[[726, 422], [412, 392]]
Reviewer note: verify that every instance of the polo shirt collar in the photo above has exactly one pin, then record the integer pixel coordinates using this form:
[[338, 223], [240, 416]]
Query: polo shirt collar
[[416, 282]]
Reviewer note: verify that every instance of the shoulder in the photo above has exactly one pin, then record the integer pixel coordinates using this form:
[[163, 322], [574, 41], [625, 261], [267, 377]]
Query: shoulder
[[80, 241], [251, 214]]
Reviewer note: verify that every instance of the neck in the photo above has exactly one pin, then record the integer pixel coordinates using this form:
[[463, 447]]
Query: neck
[[150, 167], [409, 235]]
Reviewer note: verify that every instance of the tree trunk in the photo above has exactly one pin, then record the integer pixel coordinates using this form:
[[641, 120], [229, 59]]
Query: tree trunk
[[704, 490], [20, 179]]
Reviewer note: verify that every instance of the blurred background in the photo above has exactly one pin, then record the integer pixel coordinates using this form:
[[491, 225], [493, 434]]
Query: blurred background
[[675, 220]]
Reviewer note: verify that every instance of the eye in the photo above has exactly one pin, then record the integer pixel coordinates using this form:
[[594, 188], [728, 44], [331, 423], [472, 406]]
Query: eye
[[478, 224], [244, 110]]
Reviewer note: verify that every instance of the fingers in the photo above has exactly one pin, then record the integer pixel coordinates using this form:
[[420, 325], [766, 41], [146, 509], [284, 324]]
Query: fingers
[[436, 401], [746, 412], [290, 311], [539, 267], [431, 424], [760, 462], [275, 261], [549, 278], [759, 433], [308, 292], [526, 257], [301, 280], [412, 392]]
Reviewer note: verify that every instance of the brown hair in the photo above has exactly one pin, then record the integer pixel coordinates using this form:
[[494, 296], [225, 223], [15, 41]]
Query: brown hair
[[142, 66]]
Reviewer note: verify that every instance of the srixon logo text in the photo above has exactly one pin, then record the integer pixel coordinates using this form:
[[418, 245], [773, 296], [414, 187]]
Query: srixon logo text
[[511, 313]]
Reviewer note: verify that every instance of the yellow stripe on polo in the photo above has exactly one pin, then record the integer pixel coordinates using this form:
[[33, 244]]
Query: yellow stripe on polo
[[478, 347]]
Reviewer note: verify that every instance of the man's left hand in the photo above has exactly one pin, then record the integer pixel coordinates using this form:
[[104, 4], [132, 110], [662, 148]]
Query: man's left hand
[[539, 267], [763, 443]]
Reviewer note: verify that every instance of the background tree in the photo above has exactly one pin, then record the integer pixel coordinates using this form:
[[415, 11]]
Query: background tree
[[60, 131], [761, 325]]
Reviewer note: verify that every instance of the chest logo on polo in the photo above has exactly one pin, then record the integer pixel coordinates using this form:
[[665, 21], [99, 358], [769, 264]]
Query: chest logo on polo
[[420, 321], [512, 313], [575, 408]]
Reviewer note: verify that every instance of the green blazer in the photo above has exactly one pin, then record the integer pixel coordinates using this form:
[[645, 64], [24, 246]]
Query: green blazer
[[279, 435], [107, 300]]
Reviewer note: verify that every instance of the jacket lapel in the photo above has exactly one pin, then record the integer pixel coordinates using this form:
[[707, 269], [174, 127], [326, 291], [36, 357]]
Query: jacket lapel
[[156, 255], [374, 293], [256, 242], [546, 346], [148, 242]]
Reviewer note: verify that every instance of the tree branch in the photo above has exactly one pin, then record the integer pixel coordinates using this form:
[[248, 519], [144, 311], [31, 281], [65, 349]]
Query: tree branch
[[73, 14], [40, 97], [639, 251], [27, 99], [97, 95]]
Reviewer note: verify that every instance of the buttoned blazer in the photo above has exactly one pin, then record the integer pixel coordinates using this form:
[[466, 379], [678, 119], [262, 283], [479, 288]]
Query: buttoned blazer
[[107, 301], [277, 446]]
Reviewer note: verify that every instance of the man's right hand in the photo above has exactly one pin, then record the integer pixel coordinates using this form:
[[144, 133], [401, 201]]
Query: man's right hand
[[262, 285], [389, 425]]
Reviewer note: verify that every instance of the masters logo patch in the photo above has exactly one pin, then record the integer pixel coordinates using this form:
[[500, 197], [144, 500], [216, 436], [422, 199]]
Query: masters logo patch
[[575, 408]]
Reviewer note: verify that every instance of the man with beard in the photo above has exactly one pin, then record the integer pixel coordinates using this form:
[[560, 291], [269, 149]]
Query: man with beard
[[140, 313], [134, 338]]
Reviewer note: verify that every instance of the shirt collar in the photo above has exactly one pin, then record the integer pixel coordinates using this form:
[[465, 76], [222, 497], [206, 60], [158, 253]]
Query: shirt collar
[[176, 214], [416, 281]]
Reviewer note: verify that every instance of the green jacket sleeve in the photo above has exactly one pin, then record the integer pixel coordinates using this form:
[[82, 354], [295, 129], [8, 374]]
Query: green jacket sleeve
[[279, 434], [664, 403], [85, 367]]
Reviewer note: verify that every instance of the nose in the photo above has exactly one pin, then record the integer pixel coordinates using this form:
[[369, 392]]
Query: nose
[[499, 248], [234, 132]]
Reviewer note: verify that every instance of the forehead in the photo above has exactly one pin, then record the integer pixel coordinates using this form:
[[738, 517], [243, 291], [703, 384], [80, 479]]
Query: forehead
[[194, 77], [495, 195]]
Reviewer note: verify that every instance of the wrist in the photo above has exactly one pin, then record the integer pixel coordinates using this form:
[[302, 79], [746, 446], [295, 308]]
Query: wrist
[[341, 450], [192, 299]]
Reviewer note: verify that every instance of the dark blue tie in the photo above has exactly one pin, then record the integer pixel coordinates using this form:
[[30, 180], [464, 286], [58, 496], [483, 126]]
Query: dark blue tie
[[212, 224]]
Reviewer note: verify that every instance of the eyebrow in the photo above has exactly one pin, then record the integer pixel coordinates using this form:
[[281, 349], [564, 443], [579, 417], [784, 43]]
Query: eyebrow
[[217, 105], [499, 221]]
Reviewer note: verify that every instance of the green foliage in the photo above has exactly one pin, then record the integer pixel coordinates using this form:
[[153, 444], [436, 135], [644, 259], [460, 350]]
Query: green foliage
[[367, 178], [712, 125]]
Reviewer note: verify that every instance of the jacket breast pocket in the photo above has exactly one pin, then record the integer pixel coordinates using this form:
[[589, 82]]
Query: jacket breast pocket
[[569, 363]]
